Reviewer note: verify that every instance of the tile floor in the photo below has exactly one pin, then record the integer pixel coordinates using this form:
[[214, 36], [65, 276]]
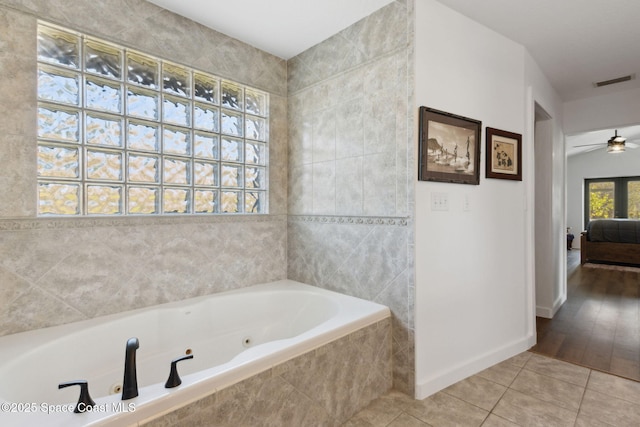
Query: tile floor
[[526, 390]]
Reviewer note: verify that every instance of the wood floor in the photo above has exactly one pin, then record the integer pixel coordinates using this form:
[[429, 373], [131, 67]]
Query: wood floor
[[599, 324]]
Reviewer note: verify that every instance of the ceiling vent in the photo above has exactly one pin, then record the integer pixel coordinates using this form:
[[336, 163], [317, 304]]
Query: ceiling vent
[[614, 81]]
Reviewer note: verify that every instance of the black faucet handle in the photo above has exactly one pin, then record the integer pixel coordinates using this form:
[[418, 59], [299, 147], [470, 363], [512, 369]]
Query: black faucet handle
[[84, 401], [174, 379]]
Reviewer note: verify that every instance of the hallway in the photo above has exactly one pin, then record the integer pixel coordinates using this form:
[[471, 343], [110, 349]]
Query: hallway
[[599, 325]]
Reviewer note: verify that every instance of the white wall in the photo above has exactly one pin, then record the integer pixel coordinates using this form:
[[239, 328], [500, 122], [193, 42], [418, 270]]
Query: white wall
[[594, 164], [601, 112], [474, 303], [545, 176]]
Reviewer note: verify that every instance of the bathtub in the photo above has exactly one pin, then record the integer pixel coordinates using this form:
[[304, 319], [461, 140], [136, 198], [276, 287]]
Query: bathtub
[[232, 335]]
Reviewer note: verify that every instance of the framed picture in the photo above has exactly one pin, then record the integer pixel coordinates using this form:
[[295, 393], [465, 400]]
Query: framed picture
[[504, 154], [449, 148]]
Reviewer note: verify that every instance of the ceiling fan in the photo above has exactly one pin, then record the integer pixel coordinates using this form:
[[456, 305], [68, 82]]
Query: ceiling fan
[[616, 144]]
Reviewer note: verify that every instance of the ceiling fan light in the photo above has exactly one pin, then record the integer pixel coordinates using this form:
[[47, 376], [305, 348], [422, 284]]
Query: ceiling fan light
[[616, 144], [615, 147]]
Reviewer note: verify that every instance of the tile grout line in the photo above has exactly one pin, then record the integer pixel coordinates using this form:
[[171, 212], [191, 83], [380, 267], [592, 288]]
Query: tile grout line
[[584, 391]]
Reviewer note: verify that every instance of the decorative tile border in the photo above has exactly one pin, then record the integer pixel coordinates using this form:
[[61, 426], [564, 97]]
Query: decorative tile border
[[356, 220], [12, 224]]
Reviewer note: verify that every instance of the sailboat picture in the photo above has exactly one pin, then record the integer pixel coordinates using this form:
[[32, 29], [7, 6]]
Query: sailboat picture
[[449, 147]]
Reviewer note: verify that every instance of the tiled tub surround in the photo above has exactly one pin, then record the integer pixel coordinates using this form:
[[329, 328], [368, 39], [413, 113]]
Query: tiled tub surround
[[351, 173], [323, 387], [370, 60], [365, 257], [63, 270], [277, 326]]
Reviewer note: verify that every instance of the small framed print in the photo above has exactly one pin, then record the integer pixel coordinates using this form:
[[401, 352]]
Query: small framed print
[[449, 147], [504, 155]]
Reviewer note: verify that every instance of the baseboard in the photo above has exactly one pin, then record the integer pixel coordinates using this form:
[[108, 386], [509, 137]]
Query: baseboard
[[547, 312], [444, 379]]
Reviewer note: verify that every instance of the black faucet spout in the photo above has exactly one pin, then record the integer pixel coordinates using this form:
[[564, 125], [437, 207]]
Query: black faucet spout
[[130, 382]]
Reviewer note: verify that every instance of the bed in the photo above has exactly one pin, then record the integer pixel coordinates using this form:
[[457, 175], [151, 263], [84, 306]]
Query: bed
[[612, 241]]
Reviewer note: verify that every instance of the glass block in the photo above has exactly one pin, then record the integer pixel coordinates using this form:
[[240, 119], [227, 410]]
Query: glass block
[[256, 103], [142, 136], [254, 177], [58, 124], [175, 200], [230, 202], [58, 199], [255, 153], [142, 103], [176, 79], [256, 128], [232, 96], [58, 47], [104, 165], [205, 88], [205, 146], [104, 200], [176, 141], [102, 59], [205, 201], [58, 162], [58, 86], [103, 130], [232, 123], [176, 171], [231, 149], [142, 70], [142, 200], [206, 117], [103, 95], [176, 111], [231, 176], [254, 202], [205, 174], [143, 168]]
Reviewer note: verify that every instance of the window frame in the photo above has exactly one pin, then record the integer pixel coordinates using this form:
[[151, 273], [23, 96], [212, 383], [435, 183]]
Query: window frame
[[620, 195]]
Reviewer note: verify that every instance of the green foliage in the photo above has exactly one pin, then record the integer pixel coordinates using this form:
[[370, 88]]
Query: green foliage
[[600, 202], [633, 200]]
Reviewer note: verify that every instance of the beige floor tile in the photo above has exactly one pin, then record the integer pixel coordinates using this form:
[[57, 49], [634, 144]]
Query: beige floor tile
[[558, 369], [443, 410], [503, 373], [614, 386], [548, 389], [611, 410], [406, 420], [496, 421], [379, 413], [529, 411], [477, 391], [520, 359], [585, 421]]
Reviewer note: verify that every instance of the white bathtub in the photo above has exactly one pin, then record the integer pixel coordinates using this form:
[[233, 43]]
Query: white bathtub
[[232, 335]]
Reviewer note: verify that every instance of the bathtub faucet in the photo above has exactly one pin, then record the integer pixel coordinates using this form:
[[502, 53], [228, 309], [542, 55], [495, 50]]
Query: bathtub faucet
[[130, 382]]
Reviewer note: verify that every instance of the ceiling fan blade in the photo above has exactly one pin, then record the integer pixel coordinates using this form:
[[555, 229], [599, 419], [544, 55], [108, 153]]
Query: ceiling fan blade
[[590, 145]]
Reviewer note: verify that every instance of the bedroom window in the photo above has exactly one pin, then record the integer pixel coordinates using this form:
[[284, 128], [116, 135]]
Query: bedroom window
[[121, 132], [612, 198]]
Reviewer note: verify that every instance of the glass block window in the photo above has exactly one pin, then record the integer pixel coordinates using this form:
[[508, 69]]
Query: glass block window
[[121, 132]]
